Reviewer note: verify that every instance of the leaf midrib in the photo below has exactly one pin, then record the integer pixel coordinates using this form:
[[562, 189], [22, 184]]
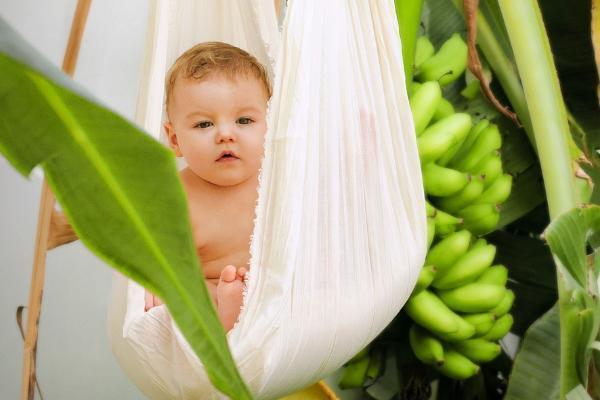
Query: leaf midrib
[[76, 132]]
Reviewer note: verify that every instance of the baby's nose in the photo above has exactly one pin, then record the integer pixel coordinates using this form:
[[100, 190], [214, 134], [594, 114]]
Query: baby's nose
[[225, 135]]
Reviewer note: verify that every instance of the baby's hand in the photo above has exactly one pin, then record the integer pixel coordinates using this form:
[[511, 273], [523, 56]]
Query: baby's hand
[[151, 300]]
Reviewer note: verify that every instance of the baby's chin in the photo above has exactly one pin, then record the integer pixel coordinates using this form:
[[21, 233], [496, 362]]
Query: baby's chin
[[227, 181]]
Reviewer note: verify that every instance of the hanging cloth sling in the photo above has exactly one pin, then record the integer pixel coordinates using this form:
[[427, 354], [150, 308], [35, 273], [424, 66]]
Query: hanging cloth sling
[[340, 229]]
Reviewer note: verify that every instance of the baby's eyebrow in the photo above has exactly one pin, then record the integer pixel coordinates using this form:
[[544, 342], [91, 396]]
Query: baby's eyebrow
[[249, 108], [196, 113]]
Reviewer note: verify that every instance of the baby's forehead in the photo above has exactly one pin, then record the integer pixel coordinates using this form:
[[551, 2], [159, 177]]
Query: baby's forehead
[[241, 90]]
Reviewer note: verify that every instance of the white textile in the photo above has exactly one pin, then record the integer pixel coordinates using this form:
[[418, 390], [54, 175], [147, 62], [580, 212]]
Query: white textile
[[340, 230]]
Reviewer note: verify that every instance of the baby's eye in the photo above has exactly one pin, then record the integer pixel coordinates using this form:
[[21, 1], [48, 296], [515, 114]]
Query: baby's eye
[[244, 121], [203, 124]]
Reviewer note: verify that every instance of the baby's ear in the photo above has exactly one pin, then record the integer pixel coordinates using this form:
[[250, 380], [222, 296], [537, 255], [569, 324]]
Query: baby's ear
[[172, 139]]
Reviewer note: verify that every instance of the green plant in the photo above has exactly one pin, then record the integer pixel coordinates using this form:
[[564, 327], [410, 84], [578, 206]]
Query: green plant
[[96, 163]]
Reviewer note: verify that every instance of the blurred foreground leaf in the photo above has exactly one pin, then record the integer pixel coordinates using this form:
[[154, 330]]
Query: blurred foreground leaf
[[119, 188]]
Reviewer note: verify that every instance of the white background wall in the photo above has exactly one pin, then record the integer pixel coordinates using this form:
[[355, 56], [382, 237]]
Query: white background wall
[[74, 358]]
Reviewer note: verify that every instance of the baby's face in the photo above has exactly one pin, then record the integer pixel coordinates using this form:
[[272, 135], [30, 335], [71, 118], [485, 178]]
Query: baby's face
[[216, 115]]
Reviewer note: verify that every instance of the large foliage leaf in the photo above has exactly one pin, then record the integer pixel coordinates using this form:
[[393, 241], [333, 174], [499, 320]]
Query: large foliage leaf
[[567, 236], [533, 376], [570, 236], [119, 189]]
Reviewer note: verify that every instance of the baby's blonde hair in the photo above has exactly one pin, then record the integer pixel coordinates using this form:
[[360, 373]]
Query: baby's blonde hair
[[209, 58]]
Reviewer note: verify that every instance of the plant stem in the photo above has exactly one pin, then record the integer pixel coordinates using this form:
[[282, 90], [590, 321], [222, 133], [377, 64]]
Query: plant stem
[[503, 69], [409, 19], [535, 64]]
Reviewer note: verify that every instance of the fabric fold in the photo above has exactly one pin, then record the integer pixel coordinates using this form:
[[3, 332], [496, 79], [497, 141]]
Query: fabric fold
[[340, 228]]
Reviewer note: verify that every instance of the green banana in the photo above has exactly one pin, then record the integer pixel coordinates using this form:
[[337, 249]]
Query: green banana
[[482, 322], [445, 158], [469, 140], [483, 328], [360, 355], [423, 104], [430, 231], [414, 86], [487, 141], [465, 331], [441, 181], [473, 297], [445, 223], [480, 218], [447, 64], [423, 50], [478, 243], [427, 310], [444, 253], [442, 135], [427, 348], [457, 366], [467, 195], [355, 374], [467, 268], [478, 350], [430, 210], [443, 110], [471, 90], [490, 167], [495, 275], [376, 364], [497, 192], [425, 278], [500, 329], [505, 304]]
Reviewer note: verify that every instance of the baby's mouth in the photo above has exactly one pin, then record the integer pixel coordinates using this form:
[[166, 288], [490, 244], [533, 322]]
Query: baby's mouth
[[227, 156]]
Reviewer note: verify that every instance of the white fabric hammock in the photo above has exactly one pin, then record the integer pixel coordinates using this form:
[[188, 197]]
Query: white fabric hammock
[[340, 230]]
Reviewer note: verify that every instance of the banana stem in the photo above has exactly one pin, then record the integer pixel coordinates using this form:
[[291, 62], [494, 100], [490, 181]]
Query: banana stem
[[506, 73], [503, 69], [409, 20], [544, 101]]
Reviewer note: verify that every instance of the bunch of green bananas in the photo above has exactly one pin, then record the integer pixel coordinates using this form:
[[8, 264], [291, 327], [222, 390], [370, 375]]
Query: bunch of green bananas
[[460, 306], [461, 164]]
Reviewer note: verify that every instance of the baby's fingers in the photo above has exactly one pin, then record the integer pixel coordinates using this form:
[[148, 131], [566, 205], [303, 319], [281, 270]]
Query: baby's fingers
[[151, 300], [148, 300]]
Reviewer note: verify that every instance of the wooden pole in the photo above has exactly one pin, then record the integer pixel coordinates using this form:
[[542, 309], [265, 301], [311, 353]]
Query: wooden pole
[[46, 236]]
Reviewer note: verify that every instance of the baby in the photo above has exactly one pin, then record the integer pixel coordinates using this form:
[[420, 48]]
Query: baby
[[216, 105]]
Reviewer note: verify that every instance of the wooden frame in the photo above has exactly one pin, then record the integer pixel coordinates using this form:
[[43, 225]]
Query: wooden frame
[[53, 229]]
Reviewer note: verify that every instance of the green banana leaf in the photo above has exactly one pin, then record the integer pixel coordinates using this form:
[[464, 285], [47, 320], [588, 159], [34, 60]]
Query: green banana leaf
[[118, 187], [578, 393], [567, 236], [533, 376]]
